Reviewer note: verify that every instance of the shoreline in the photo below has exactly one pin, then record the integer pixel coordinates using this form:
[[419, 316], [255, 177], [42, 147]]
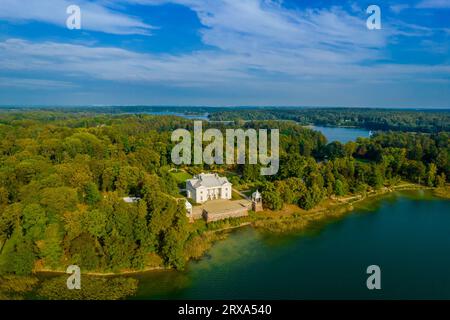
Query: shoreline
[[297, 220]]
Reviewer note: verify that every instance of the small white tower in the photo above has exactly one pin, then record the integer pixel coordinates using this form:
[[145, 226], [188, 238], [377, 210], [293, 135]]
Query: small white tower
[[257, 201], [188, 208]]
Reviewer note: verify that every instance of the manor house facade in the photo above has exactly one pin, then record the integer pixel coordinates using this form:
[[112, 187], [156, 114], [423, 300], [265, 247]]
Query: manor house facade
[[205, 187]]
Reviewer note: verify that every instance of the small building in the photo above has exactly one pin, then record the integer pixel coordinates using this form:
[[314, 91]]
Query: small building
[[205, 187], [131, 199], [188, 208], [257, 201]]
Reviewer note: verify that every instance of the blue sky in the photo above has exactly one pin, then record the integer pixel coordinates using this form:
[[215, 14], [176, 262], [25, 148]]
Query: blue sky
[[225, 53]]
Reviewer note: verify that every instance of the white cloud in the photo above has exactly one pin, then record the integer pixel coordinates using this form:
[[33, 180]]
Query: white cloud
[[206, 68], [434, 4], [109, 63], [94, 16], [397, 8], [249, 26], [35, 84], [256, 46]]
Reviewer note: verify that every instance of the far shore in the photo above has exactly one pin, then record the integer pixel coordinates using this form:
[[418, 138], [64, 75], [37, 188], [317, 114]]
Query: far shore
[[289, 219]]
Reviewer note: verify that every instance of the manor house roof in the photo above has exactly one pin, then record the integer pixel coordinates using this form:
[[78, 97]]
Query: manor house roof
[[208, 180]]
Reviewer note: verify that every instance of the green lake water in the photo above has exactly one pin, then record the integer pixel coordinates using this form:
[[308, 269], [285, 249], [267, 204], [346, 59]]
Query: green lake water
[[407, 234]]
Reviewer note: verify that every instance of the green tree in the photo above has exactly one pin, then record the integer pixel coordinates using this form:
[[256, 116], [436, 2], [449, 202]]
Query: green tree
[[440, 180], [339, 188], [83, 252], [3, 197], [92, 195], [52, 251], [172, 248], [431, 177], [272, 200], [34, 221], [18, 255]]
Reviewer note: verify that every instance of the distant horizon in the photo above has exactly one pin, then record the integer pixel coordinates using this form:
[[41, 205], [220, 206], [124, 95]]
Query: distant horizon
[[219, 106]]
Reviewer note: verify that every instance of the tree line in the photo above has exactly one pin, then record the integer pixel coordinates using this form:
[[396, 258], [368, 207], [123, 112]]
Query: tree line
[[430, 121], [309, 175]]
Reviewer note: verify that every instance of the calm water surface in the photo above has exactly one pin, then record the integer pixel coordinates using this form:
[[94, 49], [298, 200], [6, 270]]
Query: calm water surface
[[343, 135], [406, 234]]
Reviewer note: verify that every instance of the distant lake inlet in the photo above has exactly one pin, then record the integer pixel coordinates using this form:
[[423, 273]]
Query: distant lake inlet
[[342, 134]]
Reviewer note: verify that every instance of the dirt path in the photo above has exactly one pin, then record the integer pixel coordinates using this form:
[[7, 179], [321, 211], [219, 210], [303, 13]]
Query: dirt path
[[242, 194]]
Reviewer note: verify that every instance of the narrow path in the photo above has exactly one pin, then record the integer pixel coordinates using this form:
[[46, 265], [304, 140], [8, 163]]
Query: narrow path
[[242, 194]]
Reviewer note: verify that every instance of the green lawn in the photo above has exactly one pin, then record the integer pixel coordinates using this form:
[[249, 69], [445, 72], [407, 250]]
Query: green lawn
[[181, 177]]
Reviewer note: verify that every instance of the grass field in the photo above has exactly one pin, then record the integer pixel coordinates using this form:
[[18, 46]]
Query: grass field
[[181, 177]]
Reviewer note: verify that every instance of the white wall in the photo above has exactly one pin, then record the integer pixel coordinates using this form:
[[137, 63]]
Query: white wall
[[226, 192], [200, 195]]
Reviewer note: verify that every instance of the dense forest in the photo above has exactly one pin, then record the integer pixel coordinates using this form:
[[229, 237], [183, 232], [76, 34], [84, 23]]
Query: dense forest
[[63, 177], [372, 119], [411, 120]]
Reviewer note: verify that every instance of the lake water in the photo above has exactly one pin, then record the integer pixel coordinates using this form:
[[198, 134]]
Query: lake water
[[343, 135], [406, 234]]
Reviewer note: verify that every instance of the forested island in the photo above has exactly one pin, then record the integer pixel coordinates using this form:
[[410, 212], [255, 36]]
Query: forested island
[[64, 173]]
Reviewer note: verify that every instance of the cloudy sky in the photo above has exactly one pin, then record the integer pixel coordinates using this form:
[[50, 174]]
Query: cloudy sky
[[225, 53]]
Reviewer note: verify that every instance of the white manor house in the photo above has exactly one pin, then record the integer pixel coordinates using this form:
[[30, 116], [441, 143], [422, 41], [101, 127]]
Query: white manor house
[[208, 186]]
